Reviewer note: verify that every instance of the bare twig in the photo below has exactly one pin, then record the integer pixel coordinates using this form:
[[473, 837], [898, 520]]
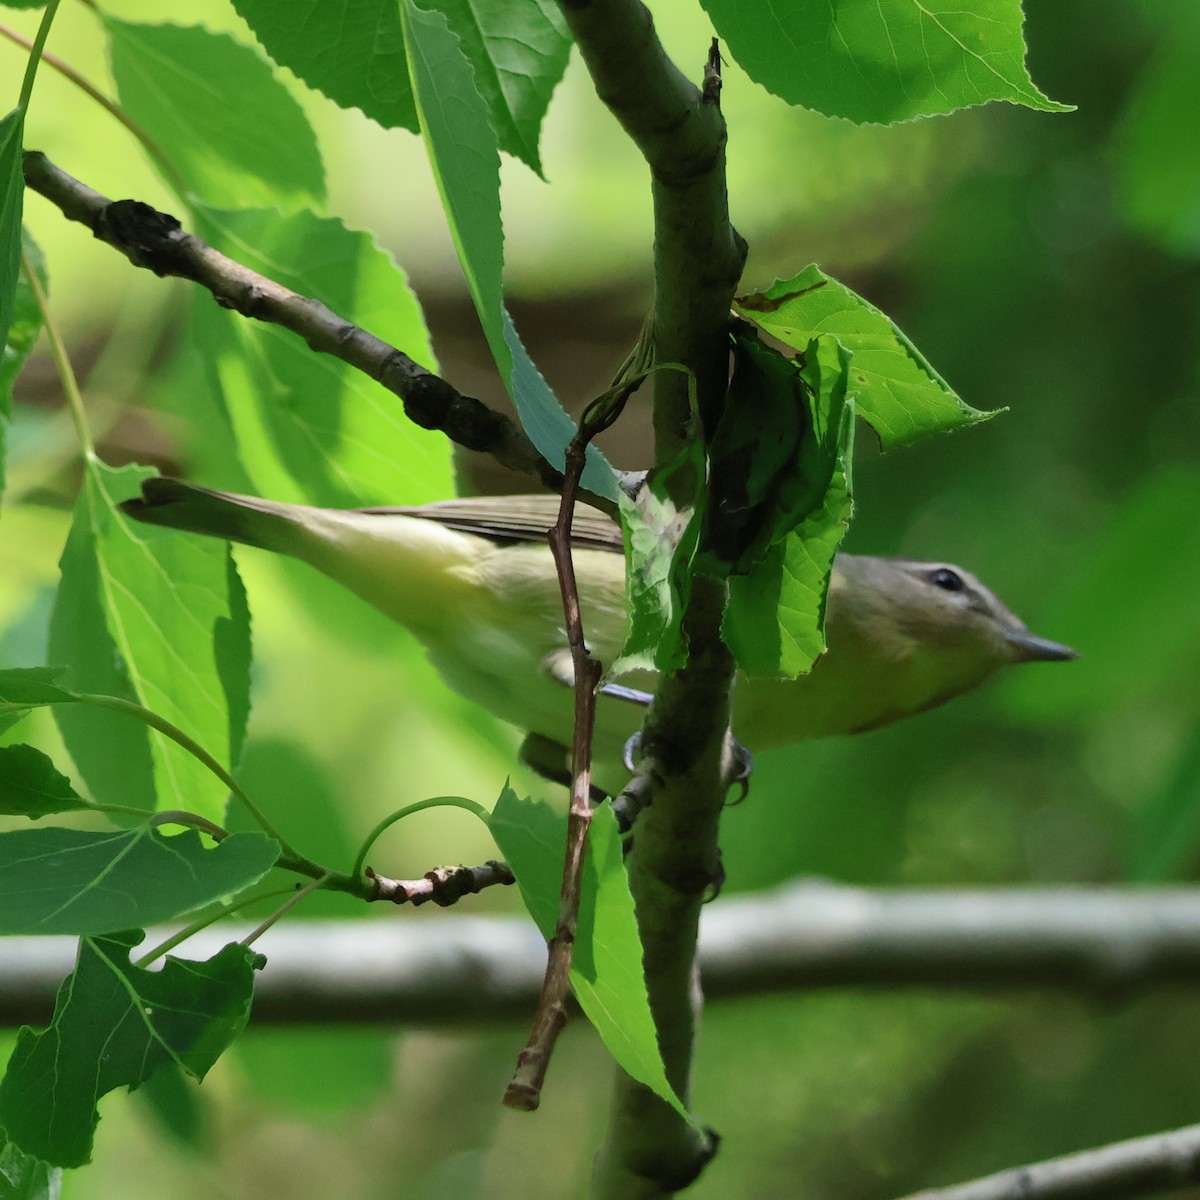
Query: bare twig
[[443, 885], [1145, 1166], [525, 1088], [156, 241]]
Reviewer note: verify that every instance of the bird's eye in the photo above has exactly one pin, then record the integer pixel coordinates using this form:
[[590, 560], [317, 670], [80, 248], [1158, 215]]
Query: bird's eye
[[947, 580]]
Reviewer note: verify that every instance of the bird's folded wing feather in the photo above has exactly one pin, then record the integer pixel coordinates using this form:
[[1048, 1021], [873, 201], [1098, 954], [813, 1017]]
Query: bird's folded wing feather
[[517, 519]]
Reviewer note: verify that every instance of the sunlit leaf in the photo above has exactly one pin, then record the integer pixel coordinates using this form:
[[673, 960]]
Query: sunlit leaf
[[114, 1025], [606, 971], [519, 52], [882, 60], [350, 50], [160, 619], [466, 164], [898, 393], [305, 426], [216, 110], [55, 880], [32, 786]]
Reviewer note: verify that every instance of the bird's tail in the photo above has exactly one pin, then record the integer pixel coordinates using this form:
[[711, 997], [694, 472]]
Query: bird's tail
[[244, 519]]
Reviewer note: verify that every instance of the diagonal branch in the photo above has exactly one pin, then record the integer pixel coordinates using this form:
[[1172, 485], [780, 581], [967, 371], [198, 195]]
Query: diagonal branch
[[1145, 1166], [157, 242]]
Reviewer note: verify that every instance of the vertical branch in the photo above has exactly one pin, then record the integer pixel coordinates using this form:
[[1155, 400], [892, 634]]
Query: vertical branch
[[698, 256], [524, 1089]]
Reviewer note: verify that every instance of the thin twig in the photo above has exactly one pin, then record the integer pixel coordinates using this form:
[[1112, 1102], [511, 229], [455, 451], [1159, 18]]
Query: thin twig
[[525, 1088], [157, 242], [443, 885]]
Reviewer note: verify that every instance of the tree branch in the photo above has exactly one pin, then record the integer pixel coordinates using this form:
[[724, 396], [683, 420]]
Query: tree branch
[[156, 241], [698, 258], [1142, 1166], [809, 934]]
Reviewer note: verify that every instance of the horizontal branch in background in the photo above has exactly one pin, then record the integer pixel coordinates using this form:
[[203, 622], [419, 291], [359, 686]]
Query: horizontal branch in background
[[460, 970], [1145, 1166], [156, 241]]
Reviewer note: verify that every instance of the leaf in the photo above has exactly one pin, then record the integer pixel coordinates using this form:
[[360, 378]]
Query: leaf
[[116, 1024], [12, 194], [55, 880], [350, 50], [519, 53], [882, 60], [25, 688], [661, 522], [23, 1177], [463, 152], [25, 323], [309, 427], [606, 971], [775, 619], [32, 786], [148, 615], [898, 393], [217, 111]]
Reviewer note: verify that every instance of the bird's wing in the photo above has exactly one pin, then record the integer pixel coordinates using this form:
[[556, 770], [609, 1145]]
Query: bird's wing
[[517, 519]]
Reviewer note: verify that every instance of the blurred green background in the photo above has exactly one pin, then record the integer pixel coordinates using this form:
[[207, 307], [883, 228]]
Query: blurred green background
[[1047, 264]]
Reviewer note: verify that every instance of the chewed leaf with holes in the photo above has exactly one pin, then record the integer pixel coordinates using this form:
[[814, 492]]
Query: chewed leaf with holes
[[115, 1025], [159, 619], [79, 882]]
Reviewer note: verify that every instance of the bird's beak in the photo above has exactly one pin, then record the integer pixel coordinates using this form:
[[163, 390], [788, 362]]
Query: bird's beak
[[1030, 648]]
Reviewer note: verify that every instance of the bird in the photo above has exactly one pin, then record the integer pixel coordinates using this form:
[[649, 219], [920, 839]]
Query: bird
[[473, 579]]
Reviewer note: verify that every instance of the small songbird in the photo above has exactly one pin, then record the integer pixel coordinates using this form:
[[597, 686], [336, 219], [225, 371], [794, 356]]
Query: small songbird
[[474, 581]]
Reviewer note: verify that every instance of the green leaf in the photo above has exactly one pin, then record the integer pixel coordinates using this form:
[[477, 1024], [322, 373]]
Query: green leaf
[[216, 110], [661, 523], [519, 53], [306, 426], [32, 786], [25, 323], [882, 60], [12, 194], [23, 688], [23, 1177], [114, 1025], [350, 50], [898, 393], [775, 620], [149, 616], [56, 880], [606, 970], [466, 164]]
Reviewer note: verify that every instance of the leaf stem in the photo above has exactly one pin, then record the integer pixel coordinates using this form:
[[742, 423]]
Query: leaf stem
[[151, 718], [202, 923], [62, 362], [285, 907], [35, 54], [152, 148], [434, 802]]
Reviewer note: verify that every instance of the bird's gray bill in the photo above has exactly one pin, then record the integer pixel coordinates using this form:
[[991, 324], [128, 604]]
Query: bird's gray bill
[[1031, 648]]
